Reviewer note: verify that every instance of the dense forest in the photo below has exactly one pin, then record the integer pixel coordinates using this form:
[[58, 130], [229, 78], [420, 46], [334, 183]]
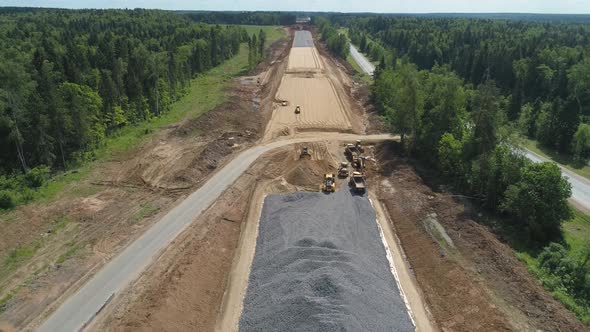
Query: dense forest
[[542, 69], [336, 42], [248, 18], [69, 78], [459, 91]]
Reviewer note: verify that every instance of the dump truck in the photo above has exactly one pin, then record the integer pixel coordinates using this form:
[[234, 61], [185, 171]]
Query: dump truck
[[358, 163], [351, 151], [343, 170], [297, 109], [329, 184], [357, 182]]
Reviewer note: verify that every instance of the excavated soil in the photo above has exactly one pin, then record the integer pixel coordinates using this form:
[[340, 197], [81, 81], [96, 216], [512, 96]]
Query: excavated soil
[[472, 282]]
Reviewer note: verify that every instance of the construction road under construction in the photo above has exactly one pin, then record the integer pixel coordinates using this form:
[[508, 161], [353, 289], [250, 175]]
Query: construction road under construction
[[336, 263]]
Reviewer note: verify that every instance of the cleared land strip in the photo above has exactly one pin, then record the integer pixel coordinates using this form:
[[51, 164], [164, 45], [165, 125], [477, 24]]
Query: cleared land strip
[[81, 307], [304, 59], [320, 106], [315, 258]]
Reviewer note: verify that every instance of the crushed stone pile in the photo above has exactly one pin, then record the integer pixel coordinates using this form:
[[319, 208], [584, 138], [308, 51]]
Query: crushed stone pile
[[320, 265]]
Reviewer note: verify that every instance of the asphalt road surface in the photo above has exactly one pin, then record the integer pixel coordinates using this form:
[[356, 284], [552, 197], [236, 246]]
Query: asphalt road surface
[[580, 185], [303, 38], [81, 307], [363, 62]]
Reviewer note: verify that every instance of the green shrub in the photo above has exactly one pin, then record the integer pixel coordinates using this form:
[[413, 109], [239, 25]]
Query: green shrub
[[6, 200], [36, 177]]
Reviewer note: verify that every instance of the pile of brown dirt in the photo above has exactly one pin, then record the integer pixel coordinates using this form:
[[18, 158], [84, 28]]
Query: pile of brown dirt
[[477, 284]]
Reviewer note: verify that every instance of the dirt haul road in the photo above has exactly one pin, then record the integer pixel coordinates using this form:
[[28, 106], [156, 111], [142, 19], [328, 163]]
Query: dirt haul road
[[307, 85], [81, 307]]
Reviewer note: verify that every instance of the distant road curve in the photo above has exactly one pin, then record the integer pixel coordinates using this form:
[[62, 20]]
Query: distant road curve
[[82, 306], [580, 185], [363, 62]]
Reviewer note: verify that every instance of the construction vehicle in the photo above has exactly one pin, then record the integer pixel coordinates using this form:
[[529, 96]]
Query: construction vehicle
[[297, 109], [351, 151], [359, 146], [343, 170], [284, 103], [329, 184], [358, 163], [305, 153], [357, 182]]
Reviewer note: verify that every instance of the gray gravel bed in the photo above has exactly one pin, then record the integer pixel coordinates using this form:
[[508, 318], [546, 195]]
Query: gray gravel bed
[[320, 265], [303, 38]]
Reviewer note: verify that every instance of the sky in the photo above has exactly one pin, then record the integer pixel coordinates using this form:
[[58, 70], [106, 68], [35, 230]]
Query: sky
[[377, 6]]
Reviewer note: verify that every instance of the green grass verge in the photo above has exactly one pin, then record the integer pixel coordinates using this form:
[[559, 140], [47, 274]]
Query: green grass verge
[[576, 232], [146, 210], [18, 256], [72, 250], [359, 74], [565, 160], [204, 94]]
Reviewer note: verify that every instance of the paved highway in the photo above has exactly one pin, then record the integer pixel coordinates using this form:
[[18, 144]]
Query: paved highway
[[580, 185], [81, 307], [363, 62]]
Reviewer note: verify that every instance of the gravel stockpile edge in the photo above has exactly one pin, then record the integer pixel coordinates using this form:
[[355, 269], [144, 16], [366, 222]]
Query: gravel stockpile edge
[[320, 265]]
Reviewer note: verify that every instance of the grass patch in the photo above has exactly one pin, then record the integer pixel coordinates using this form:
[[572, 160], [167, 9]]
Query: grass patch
[[273, 33], [359, 74], [582, 169], [60, 224], [146, 210], [18, 256], [4, 301], [576, 233], [73, 249]]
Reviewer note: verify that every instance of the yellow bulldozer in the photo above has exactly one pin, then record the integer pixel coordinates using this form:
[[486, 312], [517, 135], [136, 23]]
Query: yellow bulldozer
[[329, 184]]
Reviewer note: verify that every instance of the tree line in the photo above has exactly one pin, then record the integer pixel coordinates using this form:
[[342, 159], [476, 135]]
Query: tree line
[[541, 68], [247, 18], [70, 78], [256, 46], [336, 41]]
